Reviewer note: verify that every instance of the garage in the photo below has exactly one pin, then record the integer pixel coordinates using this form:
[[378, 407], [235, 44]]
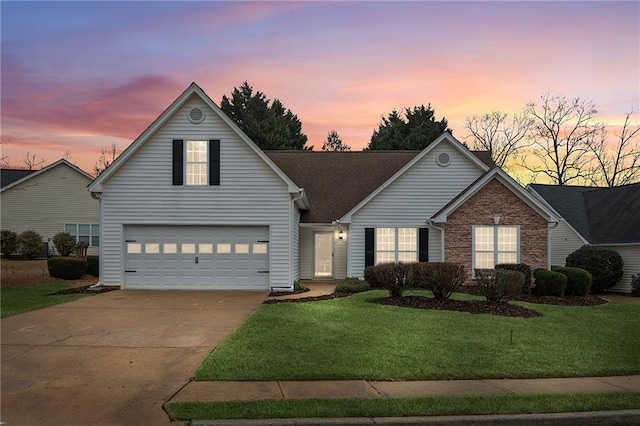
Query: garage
[[196, 257]]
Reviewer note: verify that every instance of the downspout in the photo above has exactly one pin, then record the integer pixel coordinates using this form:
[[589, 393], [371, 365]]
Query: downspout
[[293, 206], [433, 225], [98, 196]]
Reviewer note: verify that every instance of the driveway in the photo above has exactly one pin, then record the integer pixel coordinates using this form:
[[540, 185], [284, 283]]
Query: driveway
[[113, 358]]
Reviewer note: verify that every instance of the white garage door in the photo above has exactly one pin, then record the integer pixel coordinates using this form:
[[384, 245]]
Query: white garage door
[[197, 257]]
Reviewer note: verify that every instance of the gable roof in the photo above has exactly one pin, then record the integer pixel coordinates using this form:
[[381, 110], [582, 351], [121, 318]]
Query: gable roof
[[17, 177], [497, 174], [337, 182], [192, 90], [599, 215]]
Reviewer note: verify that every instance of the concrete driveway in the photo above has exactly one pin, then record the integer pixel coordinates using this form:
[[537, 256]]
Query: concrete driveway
[[113, 358]]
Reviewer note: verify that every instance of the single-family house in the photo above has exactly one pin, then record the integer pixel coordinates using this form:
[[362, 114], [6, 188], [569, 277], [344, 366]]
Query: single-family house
[[608, 217], [193, 203], [50, 200]]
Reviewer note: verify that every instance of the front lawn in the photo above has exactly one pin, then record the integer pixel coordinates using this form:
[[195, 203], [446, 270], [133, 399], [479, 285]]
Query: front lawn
[[350, 338], [16, 300]]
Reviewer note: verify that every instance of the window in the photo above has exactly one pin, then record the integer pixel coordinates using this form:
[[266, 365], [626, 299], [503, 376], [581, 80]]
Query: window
[[495, 244], [396, 245], [87, 233], [196, 164]]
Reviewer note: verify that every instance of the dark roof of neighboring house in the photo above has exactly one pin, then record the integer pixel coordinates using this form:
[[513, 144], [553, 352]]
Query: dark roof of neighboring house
[[600, 215], [335, 182], [8, 176]]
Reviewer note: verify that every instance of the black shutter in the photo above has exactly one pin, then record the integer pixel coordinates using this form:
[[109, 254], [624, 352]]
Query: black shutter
[[369, 247], [214, 162], [178, 161], [423, 245]]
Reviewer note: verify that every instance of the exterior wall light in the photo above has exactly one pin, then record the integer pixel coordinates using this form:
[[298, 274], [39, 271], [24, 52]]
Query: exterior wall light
[[496, 220], [341, 235]]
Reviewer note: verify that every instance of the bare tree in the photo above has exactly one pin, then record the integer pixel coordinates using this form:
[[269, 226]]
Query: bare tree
[[4, 161], [499, 134], [107, 157], [561, 133], [334, 143], [617, 163], [32, 161]]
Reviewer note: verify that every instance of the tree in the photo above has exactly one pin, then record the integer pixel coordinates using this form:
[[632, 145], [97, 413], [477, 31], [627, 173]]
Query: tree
[[267, 123], [107, 157], [561, 132], [334, 143], [32, 161], [411, 129], [499, 134], [617, 163]]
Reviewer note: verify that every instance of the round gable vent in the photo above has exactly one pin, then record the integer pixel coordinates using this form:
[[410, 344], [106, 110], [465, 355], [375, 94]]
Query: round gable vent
[[443, 159], [196, 115]]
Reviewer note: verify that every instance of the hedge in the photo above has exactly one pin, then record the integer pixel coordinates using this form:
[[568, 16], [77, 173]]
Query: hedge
[[549, 283], [524, 269], [604, 264], [578, 280], [94, 265], [67, 268]]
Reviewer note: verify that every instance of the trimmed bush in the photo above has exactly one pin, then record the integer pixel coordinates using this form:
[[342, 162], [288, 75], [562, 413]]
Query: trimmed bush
[[30, 244], [604, 264], [549, 283], [442, 278], [370, 276], [8, 242], [635, 285], [578, 280], [394, 277], [94, 265], [352, 285], [64, 243], [67, 268], [499, 284], [522, 268]]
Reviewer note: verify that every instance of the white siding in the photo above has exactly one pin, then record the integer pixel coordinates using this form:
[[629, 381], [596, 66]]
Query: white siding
[[631, 258], [47, 201], [411, 200], [564, 241], [250, 193], [307, 250], [295, 244]]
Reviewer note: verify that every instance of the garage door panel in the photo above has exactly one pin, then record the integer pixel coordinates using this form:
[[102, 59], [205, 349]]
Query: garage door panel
[[227, 257]]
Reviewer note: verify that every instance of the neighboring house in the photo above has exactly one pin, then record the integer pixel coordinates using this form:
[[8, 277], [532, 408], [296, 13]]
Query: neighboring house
[[50, 200], [193, 203], [608, 217]]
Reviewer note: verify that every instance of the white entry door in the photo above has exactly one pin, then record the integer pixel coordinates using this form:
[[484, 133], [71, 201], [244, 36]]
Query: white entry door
[[324, 255]]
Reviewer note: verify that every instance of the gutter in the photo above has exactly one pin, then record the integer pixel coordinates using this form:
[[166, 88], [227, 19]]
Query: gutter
[[432, 224]]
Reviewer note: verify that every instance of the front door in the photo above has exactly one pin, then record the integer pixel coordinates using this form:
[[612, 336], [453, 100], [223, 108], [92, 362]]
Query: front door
[[324, 255]]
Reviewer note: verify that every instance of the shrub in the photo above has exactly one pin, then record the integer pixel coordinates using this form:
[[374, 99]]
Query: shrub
[[394, 277], [8, 242], [30, 244], [94, 265], [604, 264], [352, 285], [67, 268], [299, 287], [549, 283], [443, 278], [64, 243], [520, 267], [370, 276], [578, 280], [499, 284], [635, 285]]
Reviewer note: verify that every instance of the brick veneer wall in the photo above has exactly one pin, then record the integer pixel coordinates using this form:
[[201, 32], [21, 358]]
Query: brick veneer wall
[[496, 200]]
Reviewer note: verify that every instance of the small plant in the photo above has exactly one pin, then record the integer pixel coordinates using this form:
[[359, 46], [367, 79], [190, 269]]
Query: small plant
[[64, 243], [94, 265], [30, 244], [442, 278], [395, 277], [352, 285], [8, 242], [370, 276], [578, 280], [299, 287], [635, 285], [604, 264], [520, 267], [549, 283], [67, 268], [499, 284], [81, 249]]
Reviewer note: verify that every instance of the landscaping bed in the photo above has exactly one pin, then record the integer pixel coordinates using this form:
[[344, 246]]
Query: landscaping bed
[[85, 289], [587, 300]]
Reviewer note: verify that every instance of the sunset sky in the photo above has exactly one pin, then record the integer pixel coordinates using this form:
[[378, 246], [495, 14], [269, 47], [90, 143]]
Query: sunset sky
[[78, 76]]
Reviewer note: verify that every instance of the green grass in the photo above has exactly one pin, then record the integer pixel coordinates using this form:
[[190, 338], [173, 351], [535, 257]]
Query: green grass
[[401, 407], [350, 338], [16, 300]]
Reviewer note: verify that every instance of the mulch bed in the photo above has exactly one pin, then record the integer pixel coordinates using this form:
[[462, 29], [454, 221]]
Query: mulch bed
[[287, 293], [307, 299], [85, 290], [588, 300], [471, 306]]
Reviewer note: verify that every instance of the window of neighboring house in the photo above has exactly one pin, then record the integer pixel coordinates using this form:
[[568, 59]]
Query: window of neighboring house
[[196, 170], [396, 245], [493, 245], [88, 233]]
